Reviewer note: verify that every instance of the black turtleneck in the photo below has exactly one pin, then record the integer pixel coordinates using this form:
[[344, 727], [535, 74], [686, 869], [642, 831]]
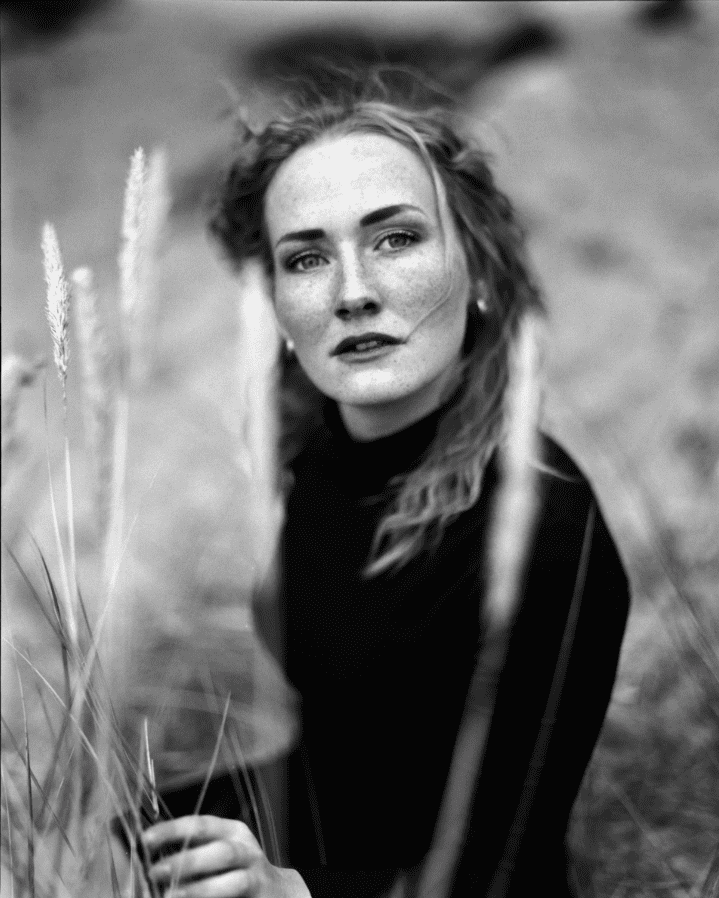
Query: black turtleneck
[[382, 666]]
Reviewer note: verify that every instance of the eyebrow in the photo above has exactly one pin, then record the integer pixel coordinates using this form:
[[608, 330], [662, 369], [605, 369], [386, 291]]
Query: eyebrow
[[371, 218]]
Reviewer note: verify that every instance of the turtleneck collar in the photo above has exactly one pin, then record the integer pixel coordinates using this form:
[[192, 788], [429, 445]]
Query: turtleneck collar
[[365, 468]]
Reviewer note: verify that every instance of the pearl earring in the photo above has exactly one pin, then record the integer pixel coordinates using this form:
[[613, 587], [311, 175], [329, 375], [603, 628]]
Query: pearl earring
[[289, 345], [481, 300]]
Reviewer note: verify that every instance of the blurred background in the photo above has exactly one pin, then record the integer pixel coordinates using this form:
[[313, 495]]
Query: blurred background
[[603, 121]]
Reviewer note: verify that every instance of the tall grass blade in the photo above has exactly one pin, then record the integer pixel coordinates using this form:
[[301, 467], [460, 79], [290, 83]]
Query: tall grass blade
[[83, 738], [58, 303], [150, 773], [500, 883], [710, 886], [136, 811], [213, 759], [53, 624], [67, 595], [258, 353], [132, 221], [9, 834], [208, 775], [156, 206], [71, 525], [42, 789], [28, 769], [114, 880], [98, 388], [515, 506], [513, 518]]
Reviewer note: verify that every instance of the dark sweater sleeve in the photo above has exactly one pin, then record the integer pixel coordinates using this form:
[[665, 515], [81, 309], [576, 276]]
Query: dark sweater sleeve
[[528, 784]]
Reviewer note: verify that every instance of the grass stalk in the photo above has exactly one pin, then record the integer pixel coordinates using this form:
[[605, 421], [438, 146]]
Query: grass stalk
[[150, 772], [114, 879], [58, 303], [10, 834], [89, 765], [258, 351], [136, 810], [133, 214], [500, 883], [71, 527], [28, 770], [155, 206], [58, 316], [213, 759], [99, 404], [512, 523], [112, 551], [83, 738], [710, 886], [208, 776], [42, 789], [67, 596]]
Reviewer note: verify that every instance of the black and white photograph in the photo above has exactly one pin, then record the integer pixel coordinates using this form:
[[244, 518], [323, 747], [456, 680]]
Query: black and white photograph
[[360, 448]]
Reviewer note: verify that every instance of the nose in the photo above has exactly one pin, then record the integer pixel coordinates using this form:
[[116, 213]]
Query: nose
[[356, 293]]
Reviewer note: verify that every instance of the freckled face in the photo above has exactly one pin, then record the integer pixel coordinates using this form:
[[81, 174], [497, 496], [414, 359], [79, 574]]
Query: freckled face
[[359, 254]]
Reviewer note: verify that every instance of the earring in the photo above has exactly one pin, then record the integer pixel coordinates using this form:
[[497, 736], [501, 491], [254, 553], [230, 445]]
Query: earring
[[481, 299], [289, 345]]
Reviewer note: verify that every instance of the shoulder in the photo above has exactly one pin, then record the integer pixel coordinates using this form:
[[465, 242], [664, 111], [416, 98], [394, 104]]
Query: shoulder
[[564, 488], [571, 521], [570, 516], [555, 463]]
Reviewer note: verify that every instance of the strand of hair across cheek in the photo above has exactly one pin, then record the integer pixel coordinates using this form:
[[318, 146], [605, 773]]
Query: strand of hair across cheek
[[432, 309]]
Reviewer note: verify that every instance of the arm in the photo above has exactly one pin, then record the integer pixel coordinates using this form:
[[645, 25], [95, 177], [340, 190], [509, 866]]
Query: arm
[[528, 784]]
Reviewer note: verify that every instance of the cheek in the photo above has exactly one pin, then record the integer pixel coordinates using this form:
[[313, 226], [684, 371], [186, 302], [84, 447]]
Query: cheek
[[421, 282], [414, 284], [434, 302], [300, 311]]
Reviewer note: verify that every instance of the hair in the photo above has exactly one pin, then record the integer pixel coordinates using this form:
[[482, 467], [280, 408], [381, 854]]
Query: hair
[[401, 105]]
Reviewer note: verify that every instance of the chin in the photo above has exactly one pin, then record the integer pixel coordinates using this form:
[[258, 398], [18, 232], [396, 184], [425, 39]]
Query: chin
[[390, 391], [369, 398]]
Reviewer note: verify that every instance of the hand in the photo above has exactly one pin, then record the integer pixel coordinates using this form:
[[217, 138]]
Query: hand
[[222, 860]]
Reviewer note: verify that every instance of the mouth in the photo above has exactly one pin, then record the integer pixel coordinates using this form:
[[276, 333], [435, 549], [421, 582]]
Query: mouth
[[364, 343]]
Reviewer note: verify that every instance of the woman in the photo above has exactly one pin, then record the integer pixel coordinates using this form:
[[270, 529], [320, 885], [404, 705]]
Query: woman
[[399, 282]]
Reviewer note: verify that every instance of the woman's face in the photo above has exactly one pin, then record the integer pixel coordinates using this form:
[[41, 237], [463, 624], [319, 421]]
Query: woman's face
[[362, 278]]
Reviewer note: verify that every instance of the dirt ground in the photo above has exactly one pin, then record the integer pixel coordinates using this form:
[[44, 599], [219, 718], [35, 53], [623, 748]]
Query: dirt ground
[[610, 149]]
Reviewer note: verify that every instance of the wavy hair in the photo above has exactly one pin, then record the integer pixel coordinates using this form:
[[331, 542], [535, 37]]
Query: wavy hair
[[403, 106]]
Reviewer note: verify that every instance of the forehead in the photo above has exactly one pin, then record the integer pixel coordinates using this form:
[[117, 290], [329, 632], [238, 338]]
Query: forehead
[[342, 178]]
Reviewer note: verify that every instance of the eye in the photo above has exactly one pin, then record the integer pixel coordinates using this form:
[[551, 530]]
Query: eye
[[398, 240], [305, 262]]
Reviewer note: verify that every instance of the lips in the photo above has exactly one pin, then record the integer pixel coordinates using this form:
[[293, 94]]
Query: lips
[[365, 343]]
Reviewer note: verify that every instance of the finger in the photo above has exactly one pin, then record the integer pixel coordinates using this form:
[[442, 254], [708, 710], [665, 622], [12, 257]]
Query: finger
[[195, 830], [235, 884], [208, 859]]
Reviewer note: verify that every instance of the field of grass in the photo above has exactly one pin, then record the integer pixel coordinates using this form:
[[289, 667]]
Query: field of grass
[[611, 151]]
